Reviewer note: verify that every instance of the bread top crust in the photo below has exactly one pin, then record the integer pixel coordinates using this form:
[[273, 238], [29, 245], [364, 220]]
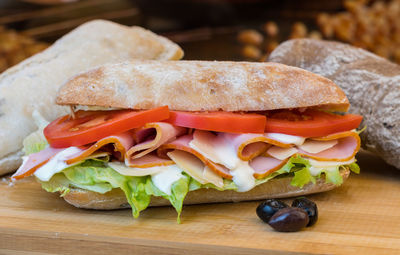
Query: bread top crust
[[202, 86]]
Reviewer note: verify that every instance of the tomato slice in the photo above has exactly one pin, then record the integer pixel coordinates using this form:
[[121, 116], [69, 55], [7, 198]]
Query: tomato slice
[[91, 126], [219, 121], [310, 123]]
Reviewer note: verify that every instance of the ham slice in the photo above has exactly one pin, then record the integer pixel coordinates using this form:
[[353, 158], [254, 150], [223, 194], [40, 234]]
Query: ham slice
[[148, 160], [121, 143], [152, 136], [34, 161], [348, 144], [182, 143], [345, 149], [249, 146], [264, 166]]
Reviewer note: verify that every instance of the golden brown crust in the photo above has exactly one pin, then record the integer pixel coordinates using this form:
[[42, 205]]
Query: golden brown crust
[[202, 86], [275, 188]]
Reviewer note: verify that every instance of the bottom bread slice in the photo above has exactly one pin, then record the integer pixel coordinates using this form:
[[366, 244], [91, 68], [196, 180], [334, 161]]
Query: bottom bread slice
[[275, 188]]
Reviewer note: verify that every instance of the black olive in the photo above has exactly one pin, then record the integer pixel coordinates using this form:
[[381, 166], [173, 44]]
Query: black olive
[[289, 219], [309, 206], [268, 208]]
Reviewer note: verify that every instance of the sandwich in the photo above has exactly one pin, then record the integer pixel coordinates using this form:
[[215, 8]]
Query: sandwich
[[30, 87], [151, 133]]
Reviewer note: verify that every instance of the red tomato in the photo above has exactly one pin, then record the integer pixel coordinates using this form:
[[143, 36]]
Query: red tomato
[[91, 126], [310, 123], [219, 121]]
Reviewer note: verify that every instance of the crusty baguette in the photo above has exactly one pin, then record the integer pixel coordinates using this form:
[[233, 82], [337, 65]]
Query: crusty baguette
[[33, 83], [275, 188], [372, 84], [202, 86]]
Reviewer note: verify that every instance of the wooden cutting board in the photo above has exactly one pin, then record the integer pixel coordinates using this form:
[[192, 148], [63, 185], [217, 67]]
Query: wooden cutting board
[[360, 217]]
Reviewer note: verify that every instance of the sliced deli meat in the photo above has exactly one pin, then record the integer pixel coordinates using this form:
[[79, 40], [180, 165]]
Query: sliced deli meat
[[152, 136], [34, 161], [148, 160], [265, 165], [121, 144], [182, 143], [348, 144], [249, 146]]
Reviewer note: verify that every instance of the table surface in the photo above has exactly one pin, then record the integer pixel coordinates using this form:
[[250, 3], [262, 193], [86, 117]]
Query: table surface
[[360, 217]]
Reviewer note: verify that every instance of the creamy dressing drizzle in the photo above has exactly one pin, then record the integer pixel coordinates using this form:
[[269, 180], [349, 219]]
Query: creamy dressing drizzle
[[243, 177], [164, 180], [56, 164]]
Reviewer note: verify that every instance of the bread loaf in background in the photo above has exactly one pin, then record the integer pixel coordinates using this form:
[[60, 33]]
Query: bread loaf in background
[[371, 83], [33, 84]]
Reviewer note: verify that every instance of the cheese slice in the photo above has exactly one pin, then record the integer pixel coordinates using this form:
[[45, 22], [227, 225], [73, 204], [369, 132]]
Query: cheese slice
[[314, 146], [164, 179], [215, 148], [135, 171], [190, 164], [212, 177], [220, 150], [318, 163], [288, 139], [317, 166], [281, 153]]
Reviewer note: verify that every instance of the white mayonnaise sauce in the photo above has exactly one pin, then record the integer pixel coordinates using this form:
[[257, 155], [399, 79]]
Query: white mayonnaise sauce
[[164, 180], [243, 177], [56, 164]]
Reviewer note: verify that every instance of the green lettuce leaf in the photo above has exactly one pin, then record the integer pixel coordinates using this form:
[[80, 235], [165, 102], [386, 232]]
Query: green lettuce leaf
[[302, 177], [58, 183], [135, 191], [36, 141], [361, 130], [93, 172], [332, 175], [179, 189], [354, 168]]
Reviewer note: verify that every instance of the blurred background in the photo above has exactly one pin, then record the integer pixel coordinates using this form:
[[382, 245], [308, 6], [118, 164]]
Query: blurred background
[[207, 29]]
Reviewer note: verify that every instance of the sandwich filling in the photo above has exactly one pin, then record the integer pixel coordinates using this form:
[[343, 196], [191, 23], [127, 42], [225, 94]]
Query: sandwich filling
[[166, 153]]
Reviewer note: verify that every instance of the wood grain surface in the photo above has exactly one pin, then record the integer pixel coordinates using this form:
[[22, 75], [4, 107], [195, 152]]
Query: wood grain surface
[[360, 217]]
